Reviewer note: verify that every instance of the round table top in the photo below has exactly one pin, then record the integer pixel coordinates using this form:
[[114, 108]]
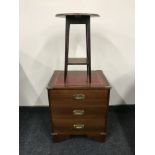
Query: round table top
[[76, 14]]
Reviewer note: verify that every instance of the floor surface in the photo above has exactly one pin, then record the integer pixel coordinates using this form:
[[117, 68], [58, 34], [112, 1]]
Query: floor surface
[[35, 136]]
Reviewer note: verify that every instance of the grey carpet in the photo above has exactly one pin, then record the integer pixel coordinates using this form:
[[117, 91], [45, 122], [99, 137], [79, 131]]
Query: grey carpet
[[35, 139]]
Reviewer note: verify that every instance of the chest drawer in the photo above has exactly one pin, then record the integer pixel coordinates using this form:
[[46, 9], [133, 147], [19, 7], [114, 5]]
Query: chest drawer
[[78, 111], [78, 124], [78, 96]]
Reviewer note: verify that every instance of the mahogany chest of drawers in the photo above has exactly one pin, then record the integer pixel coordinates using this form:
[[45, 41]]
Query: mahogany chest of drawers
[[78, 107]]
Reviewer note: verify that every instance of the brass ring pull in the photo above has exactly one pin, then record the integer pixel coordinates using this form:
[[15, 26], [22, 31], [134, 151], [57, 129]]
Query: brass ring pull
[[78, 126], [79, 96], [78, 112]]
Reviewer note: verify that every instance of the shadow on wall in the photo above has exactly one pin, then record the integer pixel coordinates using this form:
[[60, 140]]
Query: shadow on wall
[[32, 89], [130, 94], [105, 56], [27, 93], [123, 90]]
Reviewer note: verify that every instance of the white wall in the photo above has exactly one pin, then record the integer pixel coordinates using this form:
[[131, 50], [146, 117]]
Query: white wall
[[42, 45]]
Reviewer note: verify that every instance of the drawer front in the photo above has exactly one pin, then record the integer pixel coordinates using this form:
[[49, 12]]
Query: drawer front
[[72, 111], [79, 96], [78, 125]]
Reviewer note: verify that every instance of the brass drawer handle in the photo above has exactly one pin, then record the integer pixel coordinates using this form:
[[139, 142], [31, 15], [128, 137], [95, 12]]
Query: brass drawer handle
[[78, 112], [78, 126], [79, 96]]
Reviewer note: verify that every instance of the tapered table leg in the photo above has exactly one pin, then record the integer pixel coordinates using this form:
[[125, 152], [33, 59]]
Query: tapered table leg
[[66, 48], [88, 41]]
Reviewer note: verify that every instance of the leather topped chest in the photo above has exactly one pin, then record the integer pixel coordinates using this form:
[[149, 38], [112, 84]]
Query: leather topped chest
[[78, 107]]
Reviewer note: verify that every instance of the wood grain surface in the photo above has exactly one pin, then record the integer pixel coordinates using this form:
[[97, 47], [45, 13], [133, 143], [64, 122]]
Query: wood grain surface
[[78, 107]]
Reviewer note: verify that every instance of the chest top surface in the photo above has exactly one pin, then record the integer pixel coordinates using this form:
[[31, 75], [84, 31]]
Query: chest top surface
[[78, 80]]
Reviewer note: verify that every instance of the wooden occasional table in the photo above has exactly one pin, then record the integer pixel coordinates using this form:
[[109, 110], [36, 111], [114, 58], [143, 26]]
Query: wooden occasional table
[[78, 18]]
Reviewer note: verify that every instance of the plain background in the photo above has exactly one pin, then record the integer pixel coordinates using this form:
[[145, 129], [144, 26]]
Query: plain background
[[42, 45]]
